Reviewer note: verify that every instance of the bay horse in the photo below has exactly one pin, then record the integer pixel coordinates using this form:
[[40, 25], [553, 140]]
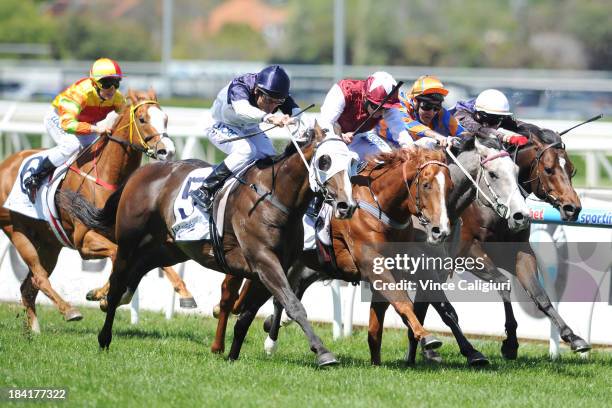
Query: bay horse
[[262, 228], [393, 187], [139, 128], [546, 171]]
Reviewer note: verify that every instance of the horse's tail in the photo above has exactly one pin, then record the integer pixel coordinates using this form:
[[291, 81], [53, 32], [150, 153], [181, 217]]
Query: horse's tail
[[97, 219]]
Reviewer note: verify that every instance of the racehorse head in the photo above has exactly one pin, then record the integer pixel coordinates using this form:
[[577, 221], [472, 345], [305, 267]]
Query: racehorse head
[[427, 178], [144, 129], [330, 171], [497, 184], [547, 171], [413, 181]]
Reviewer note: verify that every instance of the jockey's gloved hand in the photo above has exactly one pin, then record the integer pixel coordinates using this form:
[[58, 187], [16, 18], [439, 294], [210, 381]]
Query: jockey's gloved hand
[[453, 141], [101, 129], [517, 140], [276, 120]]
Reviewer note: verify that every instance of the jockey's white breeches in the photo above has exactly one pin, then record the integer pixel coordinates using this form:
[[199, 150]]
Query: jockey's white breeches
[[240, 152], [67, 143]]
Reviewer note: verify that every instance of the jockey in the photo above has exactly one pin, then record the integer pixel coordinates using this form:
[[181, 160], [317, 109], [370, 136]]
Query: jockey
[[422, 115], [349, 102], [71, 121], [240, 107], [487, 113]]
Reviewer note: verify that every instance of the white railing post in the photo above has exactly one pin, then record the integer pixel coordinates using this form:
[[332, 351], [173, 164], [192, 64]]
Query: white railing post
[[135, 308], [337, 301], [349, 303]]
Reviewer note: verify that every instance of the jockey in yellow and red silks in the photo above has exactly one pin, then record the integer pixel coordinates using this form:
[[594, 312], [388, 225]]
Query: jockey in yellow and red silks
[[74, 114], [421, 113]]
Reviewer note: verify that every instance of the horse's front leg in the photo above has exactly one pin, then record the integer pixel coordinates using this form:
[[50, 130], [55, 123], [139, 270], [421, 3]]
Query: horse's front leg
[[271, 274], [526, 272]]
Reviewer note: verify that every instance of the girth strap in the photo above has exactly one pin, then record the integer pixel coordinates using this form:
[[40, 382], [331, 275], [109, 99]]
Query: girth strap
[[384, 218]]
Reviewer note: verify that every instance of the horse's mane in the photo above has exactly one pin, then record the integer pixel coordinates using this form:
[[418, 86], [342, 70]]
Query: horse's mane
[[414, 154], [543, 135], [469, 143], [288, 151]]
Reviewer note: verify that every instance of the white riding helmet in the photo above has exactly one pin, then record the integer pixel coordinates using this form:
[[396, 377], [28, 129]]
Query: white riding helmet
[[493, 102]]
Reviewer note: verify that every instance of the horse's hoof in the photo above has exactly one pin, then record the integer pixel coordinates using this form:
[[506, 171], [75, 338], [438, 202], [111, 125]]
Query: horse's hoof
[[73, 315], [216, 311], [579, 345], [477, 359], [104, 342], [509, 350], [188, 303], [217, 350], [431, 356], [270, 346], [327, 359], [267, 324], [91, 295], [104, 305], [430, 342]]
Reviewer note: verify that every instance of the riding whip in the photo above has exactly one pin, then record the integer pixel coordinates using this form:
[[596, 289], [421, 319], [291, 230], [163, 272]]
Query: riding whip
[[380, 105], [231, 139], [593, 119]]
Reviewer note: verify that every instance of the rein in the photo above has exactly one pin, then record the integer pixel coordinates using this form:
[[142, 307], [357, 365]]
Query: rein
[[499, 207], [143, 147]]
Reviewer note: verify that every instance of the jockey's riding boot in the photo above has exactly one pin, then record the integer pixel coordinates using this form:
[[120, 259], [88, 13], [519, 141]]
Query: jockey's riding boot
[[34, 180], [204, 195]]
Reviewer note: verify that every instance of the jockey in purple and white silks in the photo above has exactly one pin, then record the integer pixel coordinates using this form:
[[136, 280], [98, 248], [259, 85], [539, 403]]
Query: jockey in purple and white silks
[[240, 107], [490, 113]]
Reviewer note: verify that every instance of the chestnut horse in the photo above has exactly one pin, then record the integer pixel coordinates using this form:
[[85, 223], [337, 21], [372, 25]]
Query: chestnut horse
[[546, 171], [263, 218], [139, 128], [393, 187]]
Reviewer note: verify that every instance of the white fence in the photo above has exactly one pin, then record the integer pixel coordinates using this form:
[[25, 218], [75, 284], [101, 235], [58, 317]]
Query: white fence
[[186, 126]]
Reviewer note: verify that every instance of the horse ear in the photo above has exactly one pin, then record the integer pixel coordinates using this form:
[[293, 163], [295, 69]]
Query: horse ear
[[319, 133], [151, 95], [132, 96]]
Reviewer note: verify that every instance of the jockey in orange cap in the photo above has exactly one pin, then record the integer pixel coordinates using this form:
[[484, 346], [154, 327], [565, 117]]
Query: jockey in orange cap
[[421, 114], [72, 120]]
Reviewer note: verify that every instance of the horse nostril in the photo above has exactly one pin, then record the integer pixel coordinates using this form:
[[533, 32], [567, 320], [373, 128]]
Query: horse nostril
[[435, 231], [162, 152], [342, 206], [569, 209], [517, 216]]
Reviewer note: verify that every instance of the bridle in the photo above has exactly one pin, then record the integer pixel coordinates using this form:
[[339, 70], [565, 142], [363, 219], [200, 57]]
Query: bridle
[[498, 206], [142, 142], [548, 197], [502, 209], [417, 201]]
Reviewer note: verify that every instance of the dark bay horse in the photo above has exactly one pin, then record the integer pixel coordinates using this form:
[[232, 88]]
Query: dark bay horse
[[138, 128], [546, 171], [393, 187], [262, 228]]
